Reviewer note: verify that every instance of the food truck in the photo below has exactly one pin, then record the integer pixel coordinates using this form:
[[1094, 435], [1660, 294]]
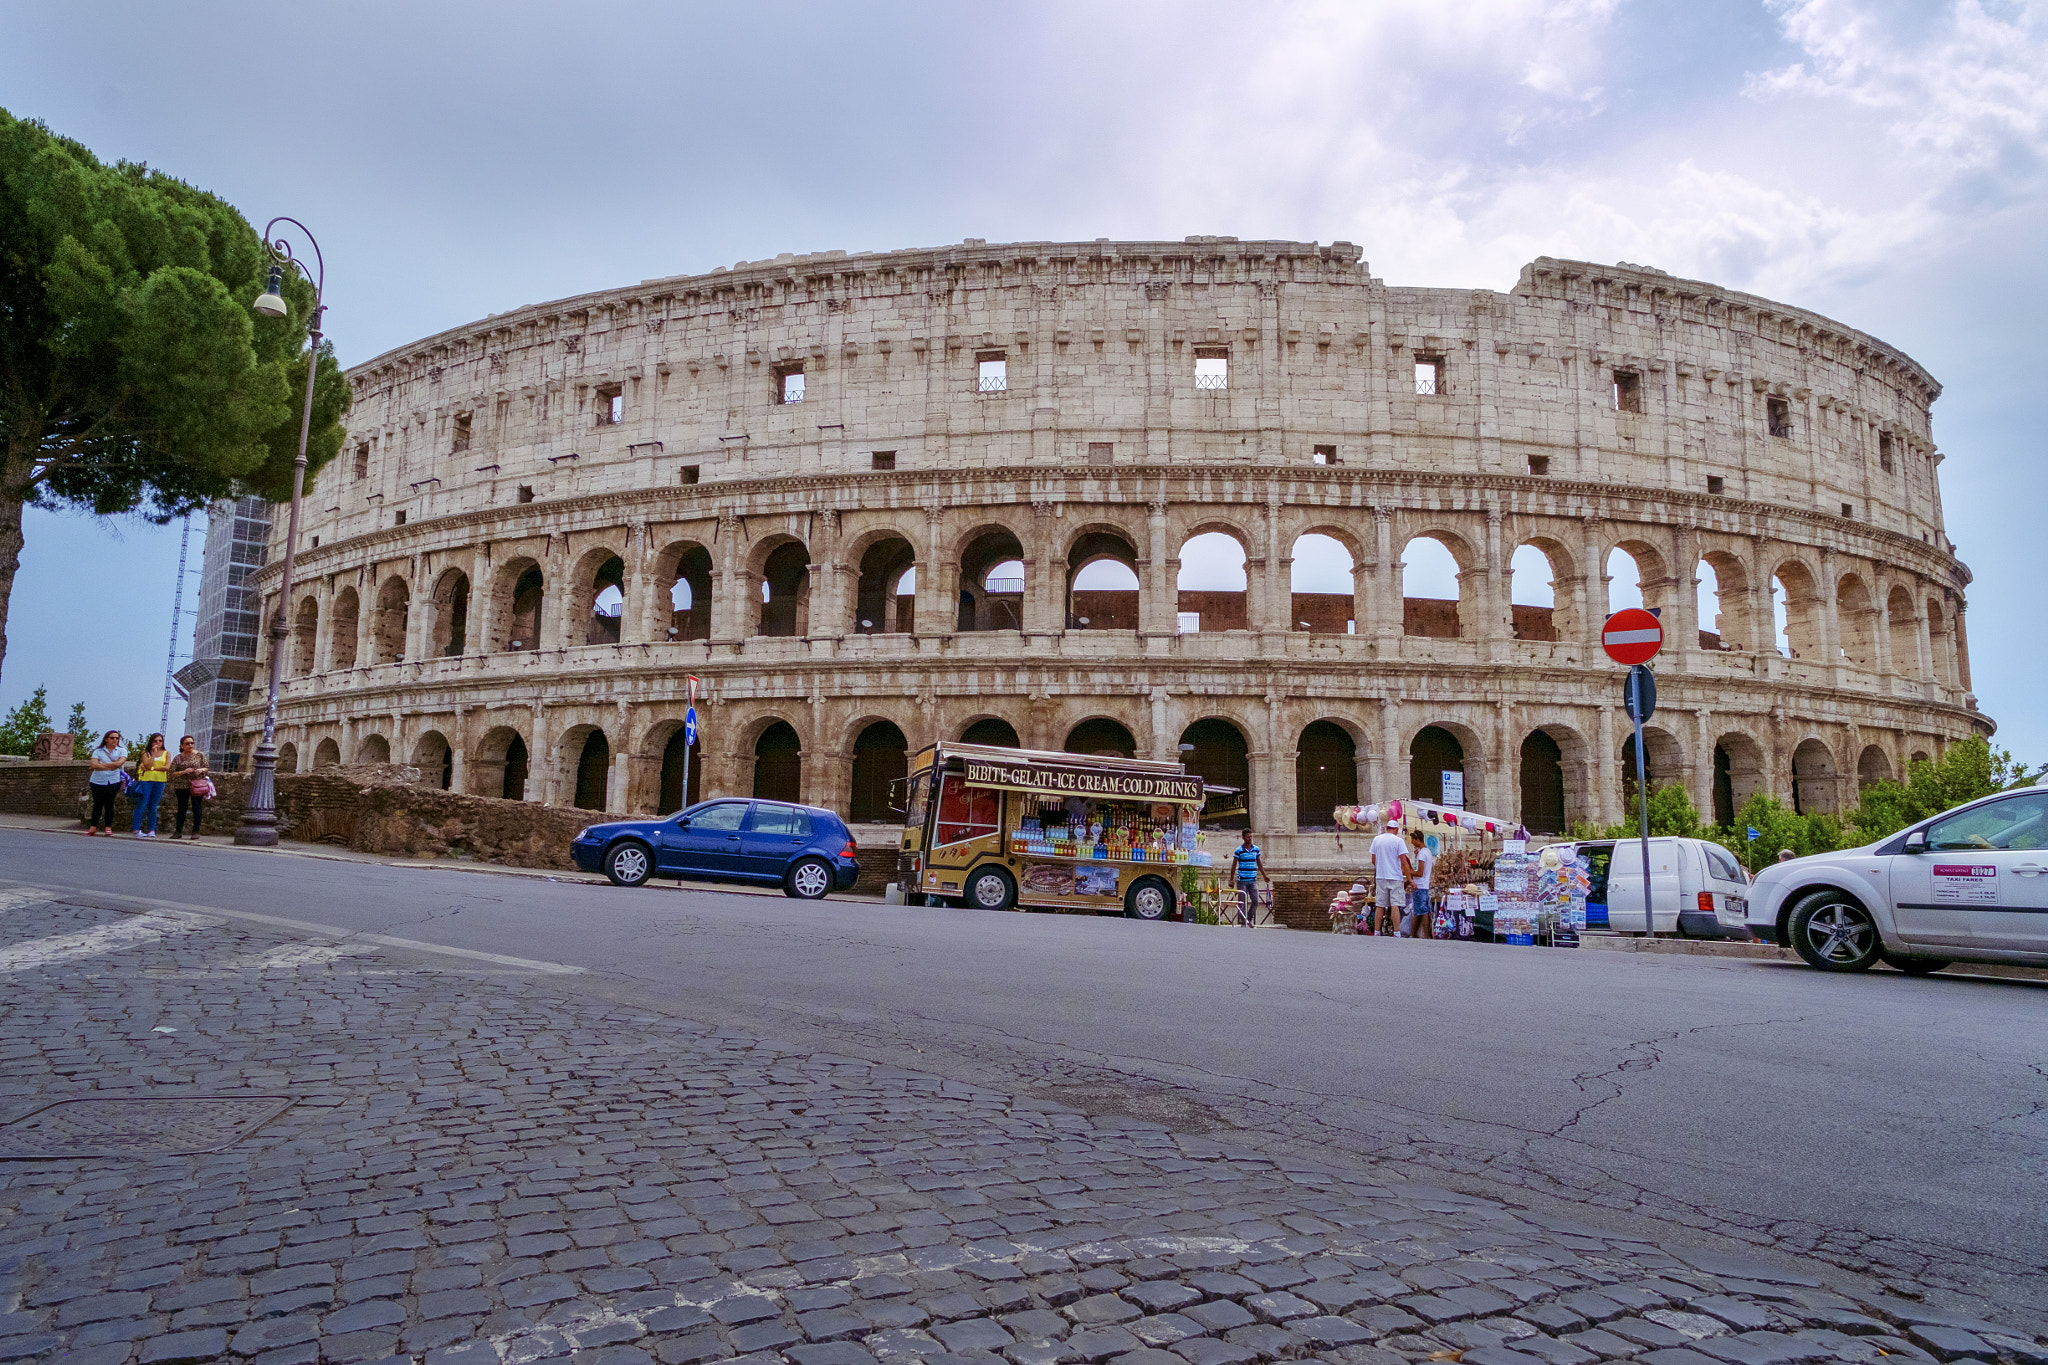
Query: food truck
[[996, 828]]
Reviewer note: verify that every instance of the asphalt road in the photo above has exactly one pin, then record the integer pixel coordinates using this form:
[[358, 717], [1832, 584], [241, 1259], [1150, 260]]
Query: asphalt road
[[1891, 1127]]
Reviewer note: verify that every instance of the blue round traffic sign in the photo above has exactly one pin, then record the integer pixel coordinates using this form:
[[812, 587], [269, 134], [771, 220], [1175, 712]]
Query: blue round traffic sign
[[690, 726]]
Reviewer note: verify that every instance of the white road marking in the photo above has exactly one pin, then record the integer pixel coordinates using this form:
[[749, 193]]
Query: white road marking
[[96, 942], [16, 898]]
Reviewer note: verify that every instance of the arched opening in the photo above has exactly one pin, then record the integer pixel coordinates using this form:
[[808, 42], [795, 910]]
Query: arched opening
[[1938, 656], [513, 787], [1433, 752], [1325, 774], [885, 595], [1101, 737], [451, 615], [1102, 583], [881, 757], [607, 602], [1215, 751], [498, 766], [1795, 602], [673, 795], [1211, 584], [1543, 808], [1857, 618], [1813, 779], [525, 601], [373, 749], [1323, 586], [435, 760], [341, 629], [1738, 775], [387, 631], [1662, 757], [287, 758], [1873, 765], [785, 590], [326, 754], [1635, 577], [1722, 600], [305, 635], [992, 731], [1903, 628], [688, 574], [778, 763], [1431, 585], [1532, 595], [593, 767], [992, 583]]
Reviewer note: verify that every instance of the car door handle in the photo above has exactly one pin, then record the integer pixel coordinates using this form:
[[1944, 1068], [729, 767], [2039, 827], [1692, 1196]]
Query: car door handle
[[2029, 869]]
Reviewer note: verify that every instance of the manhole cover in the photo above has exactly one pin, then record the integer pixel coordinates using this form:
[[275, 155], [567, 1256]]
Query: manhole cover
[[130, 1125]]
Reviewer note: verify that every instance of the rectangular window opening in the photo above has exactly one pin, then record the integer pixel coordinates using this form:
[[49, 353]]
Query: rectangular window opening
[[1101, 452], [1539, 464], [882, 459], [1716, 484], [401, 517], [789, 383], [363, 460], [1628, 391], [526, 492], [1325, 455], [1849, 510], [461, 432], [688, 473], [1778, 413], [994, 371], [1884, 451], [611, 404], [1212, 367], [316, 542], [1429, 376]]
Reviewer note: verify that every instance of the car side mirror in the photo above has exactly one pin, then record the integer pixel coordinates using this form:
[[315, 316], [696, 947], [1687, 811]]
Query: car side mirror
[[1916, 842], [682, 822]]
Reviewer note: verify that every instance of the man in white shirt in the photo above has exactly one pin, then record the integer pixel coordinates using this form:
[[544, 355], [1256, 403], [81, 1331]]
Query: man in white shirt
[[1390, 891]]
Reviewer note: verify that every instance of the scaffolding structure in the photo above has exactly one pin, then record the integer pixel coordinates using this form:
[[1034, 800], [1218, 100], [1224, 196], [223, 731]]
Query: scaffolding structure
[[226, 628]]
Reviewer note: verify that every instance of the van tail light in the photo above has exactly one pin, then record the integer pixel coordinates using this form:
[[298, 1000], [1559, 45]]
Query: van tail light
[[1706, 902]]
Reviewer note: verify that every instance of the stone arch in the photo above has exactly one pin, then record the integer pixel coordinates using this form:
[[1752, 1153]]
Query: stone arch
[[373, 748], [450, 604], [387, 628], [993, 731], [1220, 756], [1814, 788], [780, 605], [885, 567], [1664, 759], [597, 597], [675, 790], [1115, 607], [682, 578], [1739, 773], [341, 630], [587, 752], [327, 753], [1796, 603], [1322, 597], [1857, 618], [1940, 654], [1540, 601], [777, 761], [1723, 597], [1101, 735], [1421, 567], [305, 635], [520, 610], [1212, 593], [499, 765], [1553, 777], [287, 758], [1902, 625], [1652, 585], [1437, 748], [881, 758], [435, 760], [1325, 772], [992, 580], [1873, 765]]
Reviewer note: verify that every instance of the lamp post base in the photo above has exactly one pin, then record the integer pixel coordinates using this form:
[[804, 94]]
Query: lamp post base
[[258, 827]]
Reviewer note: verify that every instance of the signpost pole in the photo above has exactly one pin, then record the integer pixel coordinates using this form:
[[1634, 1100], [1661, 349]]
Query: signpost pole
[[1636, 708], [689, 742]]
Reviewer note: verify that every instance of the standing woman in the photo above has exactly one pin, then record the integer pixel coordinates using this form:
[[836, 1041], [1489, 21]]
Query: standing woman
[[152, 771], [186, 769], [105, 783]]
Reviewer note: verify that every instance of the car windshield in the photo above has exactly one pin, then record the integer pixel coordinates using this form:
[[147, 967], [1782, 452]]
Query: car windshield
[[2018, 822]]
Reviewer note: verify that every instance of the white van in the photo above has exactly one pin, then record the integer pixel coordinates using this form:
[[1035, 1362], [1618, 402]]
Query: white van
[[1692, 882]]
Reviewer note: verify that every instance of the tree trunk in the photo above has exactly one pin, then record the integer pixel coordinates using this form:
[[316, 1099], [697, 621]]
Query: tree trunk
[[12, 499]]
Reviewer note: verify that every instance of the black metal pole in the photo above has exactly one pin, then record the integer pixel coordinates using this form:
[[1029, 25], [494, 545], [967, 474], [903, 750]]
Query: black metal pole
[[1635, 685]]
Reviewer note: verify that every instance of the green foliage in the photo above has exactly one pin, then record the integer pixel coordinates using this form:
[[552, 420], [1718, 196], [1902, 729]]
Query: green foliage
[[1671, 815], [82, 740], [19, 729], [1778, 827], [1966, 770]]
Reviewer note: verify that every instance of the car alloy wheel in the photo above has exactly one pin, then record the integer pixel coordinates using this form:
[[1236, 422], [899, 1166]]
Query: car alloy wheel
[[809, 880], [628, 865], [1835, 934]]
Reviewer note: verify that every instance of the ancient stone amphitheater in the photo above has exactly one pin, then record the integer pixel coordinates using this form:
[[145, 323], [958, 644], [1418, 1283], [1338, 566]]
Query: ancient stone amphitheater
[[873, 500]]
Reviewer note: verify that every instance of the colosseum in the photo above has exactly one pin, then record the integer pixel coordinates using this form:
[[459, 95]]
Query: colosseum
[[1162, 498]]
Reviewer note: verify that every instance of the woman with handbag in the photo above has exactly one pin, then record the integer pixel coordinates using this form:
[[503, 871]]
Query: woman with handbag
[[106, 783], [190, 785]]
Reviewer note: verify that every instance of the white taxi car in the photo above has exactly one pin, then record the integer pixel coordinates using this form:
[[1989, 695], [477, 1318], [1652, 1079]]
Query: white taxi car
[[1970, 885]]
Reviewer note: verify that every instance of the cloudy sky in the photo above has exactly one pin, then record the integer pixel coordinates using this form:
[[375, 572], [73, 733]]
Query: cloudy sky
[[1878, 161]]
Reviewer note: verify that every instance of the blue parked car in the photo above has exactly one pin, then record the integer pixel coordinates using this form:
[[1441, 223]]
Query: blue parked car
[[803, 849]]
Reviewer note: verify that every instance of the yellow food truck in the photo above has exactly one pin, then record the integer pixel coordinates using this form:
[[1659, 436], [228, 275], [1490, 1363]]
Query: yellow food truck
[[996, 828]]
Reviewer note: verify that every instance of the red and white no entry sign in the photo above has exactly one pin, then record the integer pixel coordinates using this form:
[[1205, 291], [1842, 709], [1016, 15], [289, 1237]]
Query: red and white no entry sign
[[1632, 636]]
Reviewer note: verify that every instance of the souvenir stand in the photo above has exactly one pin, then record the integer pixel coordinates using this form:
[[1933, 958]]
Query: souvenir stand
[[1467, 845]]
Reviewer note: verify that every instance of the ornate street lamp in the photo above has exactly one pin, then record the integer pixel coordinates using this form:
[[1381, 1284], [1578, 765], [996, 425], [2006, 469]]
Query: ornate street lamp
[[259, 816]]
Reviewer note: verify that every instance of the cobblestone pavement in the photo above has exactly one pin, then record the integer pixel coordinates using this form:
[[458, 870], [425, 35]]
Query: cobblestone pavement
[[481, 1167]]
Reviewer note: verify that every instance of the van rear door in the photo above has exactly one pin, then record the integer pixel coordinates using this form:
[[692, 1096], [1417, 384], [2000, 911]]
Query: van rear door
[[1625, 885]]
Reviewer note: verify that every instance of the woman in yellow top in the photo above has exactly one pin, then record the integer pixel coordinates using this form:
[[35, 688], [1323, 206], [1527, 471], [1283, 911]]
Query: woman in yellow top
[[152, 771]]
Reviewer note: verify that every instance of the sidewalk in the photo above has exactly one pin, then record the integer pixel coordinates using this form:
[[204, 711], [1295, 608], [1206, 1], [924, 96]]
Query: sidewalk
[[471, 1165]]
